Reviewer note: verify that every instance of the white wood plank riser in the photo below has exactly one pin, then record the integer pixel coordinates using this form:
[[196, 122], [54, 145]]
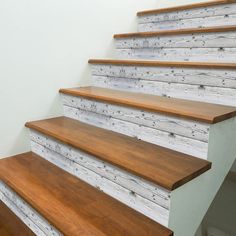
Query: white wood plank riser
[[189, 47], [99, 174], [192, 18], [188, 23], [38, 224], [194, 40], [174, 133], [206, 85], [176, 54]]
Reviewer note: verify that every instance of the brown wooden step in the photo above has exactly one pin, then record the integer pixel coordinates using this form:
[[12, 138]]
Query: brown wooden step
[[185, 7], [10, 224], [167, 168], [214, 29], [153, 63], [200, 111], [71, 205]]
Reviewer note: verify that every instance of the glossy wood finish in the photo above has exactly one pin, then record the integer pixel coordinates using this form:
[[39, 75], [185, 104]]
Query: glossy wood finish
[[153, 63], [10, 224], [185, 7], [177, 32], [165, 167], [200, 111], [70, 204]]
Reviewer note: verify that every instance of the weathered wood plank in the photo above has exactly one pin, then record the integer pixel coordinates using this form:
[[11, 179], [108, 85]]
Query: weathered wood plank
[[192, 40], [26, 213], [186, 23], [131, 182], [200, 12], [146, 207], [163, 138], [225, 78], [180, 126], [174, 54], [218, 95]]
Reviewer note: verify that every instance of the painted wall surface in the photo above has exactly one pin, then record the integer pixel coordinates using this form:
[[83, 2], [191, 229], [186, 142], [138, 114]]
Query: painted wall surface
[[45, 45], [222, 213]]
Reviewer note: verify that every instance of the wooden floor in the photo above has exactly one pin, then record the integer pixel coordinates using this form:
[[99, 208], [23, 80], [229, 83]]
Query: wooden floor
[[10, 225]]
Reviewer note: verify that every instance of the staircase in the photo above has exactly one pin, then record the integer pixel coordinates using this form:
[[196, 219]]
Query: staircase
[[145, 148]]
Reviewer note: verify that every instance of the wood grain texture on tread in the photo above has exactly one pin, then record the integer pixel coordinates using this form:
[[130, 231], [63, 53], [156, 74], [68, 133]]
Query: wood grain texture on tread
[[165, 167], [214, 29], [200, 111], [71, 205], [10, 224], [153, 63], [185, 7]]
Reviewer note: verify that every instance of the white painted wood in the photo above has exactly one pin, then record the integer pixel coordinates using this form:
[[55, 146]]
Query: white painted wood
[[185, 218], [128, 124], [195, 40], [26, 213], [187, 128], [133, 200], [218, 95], [127, 180], [195, 76], [208, 13], [179, 54], [202, 22]]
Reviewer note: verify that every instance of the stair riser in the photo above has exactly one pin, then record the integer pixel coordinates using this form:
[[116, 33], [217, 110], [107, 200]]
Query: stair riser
[[185, 54], [175, 133], [187, 23], [192, 18], [207, 85], [26, 213], [100, 176], [196, 47]]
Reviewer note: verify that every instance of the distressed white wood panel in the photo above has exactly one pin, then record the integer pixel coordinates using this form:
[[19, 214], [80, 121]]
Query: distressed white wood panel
[[181, 54], [26, 213], [218, 95], [140, 204], [196, 40], [188, 23], [195, 76], [179, 143], [183, 127], [127, 180], [202, 12]]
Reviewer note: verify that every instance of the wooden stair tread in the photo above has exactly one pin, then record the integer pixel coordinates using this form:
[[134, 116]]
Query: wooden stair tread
[[153, 63], [200, 111], [71, 205], [185, 7], [10, 224], [213, 29], [167, 168]]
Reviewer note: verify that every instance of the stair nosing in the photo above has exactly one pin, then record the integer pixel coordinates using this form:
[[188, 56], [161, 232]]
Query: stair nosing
[[184, 7], [214, 29], [155, 63]]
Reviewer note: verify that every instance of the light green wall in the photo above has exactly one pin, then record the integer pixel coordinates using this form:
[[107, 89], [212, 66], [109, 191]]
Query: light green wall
[[45, 45]]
